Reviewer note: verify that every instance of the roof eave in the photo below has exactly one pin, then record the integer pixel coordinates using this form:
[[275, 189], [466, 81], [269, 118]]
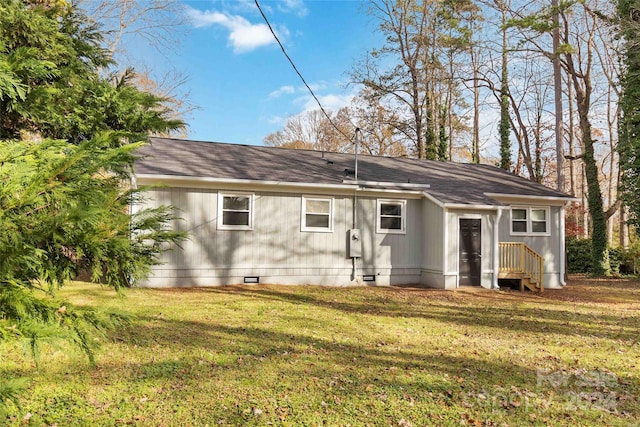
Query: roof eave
[[446, 205], [473, 206], [184, 181], [209, 182], [526, 198]]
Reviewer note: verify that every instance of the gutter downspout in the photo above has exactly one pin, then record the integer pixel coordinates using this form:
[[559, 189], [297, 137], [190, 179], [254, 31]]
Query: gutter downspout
[[354, 208], [563, 249], [496, 249], [354, 222], [445, 251]]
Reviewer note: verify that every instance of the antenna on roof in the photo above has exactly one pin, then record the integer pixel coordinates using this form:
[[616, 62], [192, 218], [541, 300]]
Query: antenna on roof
[[356, 155]]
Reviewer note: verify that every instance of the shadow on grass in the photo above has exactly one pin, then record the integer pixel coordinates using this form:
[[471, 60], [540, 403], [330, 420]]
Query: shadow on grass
[[262, 359], [300, 355], [328, 367], [474, 309]]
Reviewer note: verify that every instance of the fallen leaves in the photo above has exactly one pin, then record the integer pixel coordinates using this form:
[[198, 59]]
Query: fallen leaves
[[374, 357]]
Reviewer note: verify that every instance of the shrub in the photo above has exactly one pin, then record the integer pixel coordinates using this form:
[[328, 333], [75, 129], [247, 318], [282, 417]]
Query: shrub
[[621, 261], [579, 256]]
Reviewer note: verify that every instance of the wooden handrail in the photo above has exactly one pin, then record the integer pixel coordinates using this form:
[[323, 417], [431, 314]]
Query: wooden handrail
[[517, 257]]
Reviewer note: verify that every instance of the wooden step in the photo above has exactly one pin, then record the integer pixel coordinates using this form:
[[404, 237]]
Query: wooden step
[[529, 284], [526, 281]]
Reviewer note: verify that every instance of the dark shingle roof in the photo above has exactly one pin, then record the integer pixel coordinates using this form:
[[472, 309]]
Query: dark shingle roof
[[459, 183]]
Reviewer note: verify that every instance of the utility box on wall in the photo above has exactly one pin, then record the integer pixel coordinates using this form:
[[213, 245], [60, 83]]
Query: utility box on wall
[[355, 243]]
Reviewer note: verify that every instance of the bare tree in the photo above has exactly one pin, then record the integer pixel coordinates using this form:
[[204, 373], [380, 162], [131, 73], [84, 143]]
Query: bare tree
[[404, 23], [312, 130], [475, 65], [557, 94], [412, 72], [308, 130], [156, 21], [378, 125], [578, 63], [168, 86], [528, 96]]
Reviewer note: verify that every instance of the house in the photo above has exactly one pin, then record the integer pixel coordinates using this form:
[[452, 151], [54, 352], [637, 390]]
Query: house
[[273, 215]]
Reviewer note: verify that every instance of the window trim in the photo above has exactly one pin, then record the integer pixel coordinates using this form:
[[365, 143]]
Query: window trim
[[303, 214], [220, 225], [530, 221], [403, 216]]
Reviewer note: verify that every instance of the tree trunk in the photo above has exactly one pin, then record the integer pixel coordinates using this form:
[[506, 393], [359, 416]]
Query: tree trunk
[[585, 206], [624, 235], [475, 155], [572, 171], [557, 83], [582, 85], [505, 142], [594, 198]]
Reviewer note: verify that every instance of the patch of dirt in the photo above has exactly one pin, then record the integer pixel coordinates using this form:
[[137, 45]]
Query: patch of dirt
[[607, 290], [579, 289]]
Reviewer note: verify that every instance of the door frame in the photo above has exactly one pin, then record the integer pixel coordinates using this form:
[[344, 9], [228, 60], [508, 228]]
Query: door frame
[[482, 226]]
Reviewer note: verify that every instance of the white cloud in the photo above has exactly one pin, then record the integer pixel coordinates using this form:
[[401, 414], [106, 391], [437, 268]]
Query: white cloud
[[283, 90], [243, 7], [301, 89], [296, 6], [317, 86], [330, 102], [243, 35]]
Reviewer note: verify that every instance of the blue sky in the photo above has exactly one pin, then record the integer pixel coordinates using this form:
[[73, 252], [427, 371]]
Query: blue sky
[[242, 84]]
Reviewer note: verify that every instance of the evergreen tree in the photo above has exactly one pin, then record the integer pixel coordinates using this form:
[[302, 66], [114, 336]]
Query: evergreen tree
[[54, 54], [68, 136]]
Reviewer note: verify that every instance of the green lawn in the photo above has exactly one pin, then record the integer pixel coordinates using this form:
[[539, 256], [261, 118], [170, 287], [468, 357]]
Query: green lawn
[[276, 355]]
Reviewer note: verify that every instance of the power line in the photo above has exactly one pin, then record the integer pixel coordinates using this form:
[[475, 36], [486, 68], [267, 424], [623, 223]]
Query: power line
[[298, 72]]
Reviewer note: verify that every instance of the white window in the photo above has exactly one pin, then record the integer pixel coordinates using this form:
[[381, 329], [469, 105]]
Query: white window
[[538, 220], [519, 220], [235, 211], [317, 214], [391, 216], [529, 220]]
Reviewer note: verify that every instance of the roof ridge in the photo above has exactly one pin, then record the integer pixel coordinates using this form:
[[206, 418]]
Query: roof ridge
[[309, 150]]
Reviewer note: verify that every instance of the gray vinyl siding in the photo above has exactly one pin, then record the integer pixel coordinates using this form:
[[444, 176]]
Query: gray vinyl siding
[[433, 245], [547, 246], [276, 249], [433, 233], [393, 258]]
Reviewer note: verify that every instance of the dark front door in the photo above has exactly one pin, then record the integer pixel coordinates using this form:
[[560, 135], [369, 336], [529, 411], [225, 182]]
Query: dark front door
[[470, 252]]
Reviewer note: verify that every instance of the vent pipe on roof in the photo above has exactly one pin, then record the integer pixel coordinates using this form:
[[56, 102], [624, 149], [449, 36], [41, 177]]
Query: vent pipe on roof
[[356, 155]]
